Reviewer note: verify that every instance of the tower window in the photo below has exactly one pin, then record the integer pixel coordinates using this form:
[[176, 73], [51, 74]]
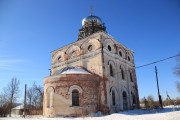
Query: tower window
[[129, 58], [75, 98], [122, 73], [59, 58], [113, 98], [90, 48], [111, 70], [109, 47], [73, 54], [120, 53], [131, 77]]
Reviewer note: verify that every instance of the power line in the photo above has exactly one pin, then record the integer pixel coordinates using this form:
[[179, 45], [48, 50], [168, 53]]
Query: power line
[[158, 61]]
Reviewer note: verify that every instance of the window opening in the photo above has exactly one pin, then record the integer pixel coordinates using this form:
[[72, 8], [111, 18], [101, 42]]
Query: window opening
[[109, 47], [113, 98], [75, 98], [90, 48], [111, 70]]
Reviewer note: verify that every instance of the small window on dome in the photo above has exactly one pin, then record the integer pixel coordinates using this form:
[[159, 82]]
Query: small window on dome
[[109, 47], [120, 53], [73, 54], [59, 58], [90, 48], [129, 58]]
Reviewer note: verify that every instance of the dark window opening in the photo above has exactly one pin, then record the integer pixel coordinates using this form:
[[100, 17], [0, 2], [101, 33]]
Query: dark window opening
[[124, 96], [122, 73], [73, 54], [134, 99], [75, 98], [129, 58], [90, 47], [109, 47], [59, 58], [111, 70], [125, 102], [113, 98], [131, 77], [120, 53]]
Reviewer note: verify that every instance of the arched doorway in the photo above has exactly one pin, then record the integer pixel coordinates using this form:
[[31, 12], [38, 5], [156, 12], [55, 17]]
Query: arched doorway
[[125, 102]]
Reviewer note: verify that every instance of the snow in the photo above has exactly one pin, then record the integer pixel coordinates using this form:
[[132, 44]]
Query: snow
[[75, 70], [168, 113]]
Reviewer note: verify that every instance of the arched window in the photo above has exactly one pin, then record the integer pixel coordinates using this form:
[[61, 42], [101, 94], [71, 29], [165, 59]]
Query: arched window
[[131, 77], [90, 48], [120, 53], [125, 102], [49, 97], [133, 98], [75, 98], [129, 58], [73, 54], [48, 100], [113, 98], [109, 47], [111, 70], [122, 73], [59, 58]]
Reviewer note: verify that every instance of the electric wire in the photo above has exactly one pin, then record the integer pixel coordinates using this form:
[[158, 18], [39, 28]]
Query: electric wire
[[158, 61]]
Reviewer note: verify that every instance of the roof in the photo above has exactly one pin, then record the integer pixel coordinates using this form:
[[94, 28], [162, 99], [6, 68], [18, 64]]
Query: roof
[[18, 107], [72, 70], [21, 106]]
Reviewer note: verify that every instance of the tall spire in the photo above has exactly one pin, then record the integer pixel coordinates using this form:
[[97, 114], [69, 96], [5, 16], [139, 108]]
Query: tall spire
[[91, 10]]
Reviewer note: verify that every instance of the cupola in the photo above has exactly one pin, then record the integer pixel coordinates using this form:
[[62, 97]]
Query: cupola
[[91, 24]]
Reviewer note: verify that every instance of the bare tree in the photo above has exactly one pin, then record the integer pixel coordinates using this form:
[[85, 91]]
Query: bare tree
[[30, 95], [177, 71], [2, 99], [38, 98], [178, 86], [11, 92], [35, 99], [40, 92], [177, 67], [145, 102], [151, 102]]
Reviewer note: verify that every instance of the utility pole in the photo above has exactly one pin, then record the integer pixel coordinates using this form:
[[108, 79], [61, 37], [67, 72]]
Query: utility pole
[[25, 102], [160, 100]]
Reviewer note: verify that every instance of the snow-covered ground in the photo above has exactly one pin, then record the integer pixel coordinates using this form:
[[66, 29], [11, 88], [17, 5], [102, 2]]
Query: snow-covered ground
[[168, 113]]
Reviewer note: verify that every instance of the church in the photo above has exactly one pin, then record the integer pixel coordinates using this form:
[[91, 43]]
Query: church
[[94, 73]]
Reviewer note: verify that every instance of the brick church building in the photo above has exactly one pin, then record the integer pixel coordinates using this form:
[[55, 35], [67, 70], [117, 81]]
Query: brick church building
[[94, 73]]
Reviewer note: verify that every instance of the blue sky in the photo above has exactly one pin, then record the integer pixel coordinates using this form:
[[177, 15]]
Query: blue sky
[[31, 29]]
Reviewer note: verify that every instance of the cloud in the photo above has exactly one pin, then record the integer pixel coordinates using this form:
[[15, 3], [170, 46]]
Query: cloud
[[8, 62]]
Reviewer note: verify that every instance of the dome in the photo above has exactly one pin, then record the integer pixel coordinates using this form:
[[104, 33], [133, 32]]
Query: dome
[[92, 18], [72, 70]]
